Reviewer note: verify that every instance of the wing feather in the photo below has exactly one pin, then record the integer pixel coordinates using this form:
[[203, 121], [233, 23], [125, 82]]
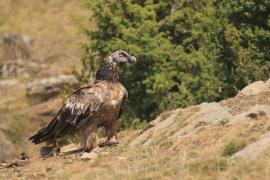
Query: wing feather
[[76, 111], [123, 104]]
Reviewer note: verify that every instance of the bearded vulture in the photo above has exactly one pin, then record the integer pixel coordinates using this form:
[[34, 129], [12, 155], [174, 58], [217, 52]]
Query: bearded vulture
[[98, 104]]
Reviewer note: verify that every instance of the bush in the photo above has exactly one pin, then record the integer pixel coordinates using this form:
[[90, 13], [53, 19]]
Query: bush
[[188, 51]]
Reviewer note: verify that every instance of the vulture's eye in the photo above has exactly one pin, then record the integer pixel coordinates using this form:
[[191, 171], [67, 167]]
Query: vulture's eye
[[122, 55]]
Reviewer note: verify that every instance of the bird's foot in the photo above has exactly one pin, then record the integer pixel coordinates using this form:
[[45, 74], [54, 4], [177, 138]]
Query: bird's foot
[[90, 148], [96, 149], [111, 142], [56, 151], [87, 150]]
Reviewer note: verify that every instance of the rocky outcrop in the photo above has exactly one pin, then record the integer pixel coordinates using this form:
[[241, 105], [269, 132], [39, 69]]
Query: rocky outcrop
[[8, 83], [46, 88], [209, 113], [253, 150], [15, 46], [220, 139], [20, 68], [255, 88], [244, 118], [190, 120]]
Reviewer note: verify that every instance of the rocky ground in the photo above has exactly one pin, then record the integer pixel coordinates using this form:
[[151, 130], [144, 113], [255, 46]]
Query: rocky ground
[[219, 140]]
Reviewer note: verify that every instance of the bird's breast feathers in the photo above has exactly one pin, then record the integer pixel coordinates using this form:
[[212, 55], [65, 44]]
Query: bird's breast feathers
[[116, 95], [113, 95]]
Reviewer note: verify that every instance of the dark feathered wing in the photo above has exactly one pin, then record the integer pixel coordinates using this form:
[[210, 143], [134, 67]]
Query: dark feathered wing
[[77, 110], [123, 104]]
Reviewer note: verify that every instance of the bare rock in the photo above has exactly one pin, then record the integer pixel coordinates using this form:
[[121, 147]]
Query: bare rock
[[159, 119], [242, 103], [46, 88], [253, 150], [70, 147], [89, 156], [255, 88], [10, 69], [15, 46], [191, 120], [122, 158], [209, 113], [255, 112], [8, 83], [19, 67], [154, 128], [70, 150]]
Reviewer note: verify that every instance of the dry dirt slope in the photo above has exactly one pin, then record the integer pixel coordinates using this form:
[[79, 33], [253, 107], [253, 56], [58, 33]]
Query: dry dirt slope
[[225, 140]]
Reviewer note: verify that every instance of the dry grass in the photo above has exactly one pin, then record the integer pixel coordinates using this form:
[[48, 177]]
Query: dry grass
[[124, 163], [51, 24], [199, 156], [202, 154]]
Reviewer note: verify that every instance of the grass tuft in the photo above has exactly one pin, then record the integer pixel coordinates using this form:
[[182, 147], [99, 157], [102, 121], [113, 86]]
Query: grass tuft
[[209, 165], [233, 147]]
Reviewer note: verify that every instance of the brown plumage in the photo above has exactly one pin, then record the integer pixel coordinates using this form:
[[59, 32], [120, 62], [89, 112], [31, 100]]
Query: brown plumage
[[98, 104]]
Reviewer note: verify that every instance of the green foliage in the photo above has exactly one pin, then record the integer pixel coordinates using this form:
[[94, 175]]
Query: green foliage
[[188, 51], [134, 123], [244, 41], [233, 147]]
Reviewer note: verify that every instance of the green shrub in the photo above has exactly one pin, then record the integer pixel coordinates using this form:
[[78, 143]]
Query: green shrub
[[188, 51], [233, 147], [134, 123]]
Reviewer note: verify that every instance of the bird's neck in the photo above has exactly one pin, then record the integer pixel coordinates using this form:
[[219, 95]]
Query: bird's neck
[[108, 71]]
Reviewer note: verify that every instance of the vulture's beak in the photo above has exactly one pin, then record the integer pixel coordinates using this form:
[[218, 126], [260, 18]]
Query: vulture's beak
[[132, 59]]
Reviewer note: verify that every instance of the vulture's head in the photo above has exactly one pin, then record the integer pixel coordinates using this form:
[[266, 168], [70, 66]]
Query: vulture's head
[[121, 57], [110, 69]]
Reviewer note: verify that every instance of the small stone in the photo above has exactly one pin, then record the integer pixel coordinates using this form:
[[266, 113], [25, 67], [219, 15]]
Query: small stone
[[68, 161], [104, 153], [70, 148], [88, 156], [48, 169], [122, 158]]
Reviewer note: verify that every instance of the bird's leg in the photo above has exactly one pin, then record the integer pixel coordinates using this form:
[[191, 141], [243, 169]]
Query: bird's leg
[[91, 142], [112, 134], [83, 138], [56, 148], [89, 138]]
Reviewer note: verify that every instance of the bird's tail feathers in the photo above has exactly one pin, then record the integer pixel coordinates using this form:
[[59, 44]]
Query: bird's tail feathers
[[45, 134]]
